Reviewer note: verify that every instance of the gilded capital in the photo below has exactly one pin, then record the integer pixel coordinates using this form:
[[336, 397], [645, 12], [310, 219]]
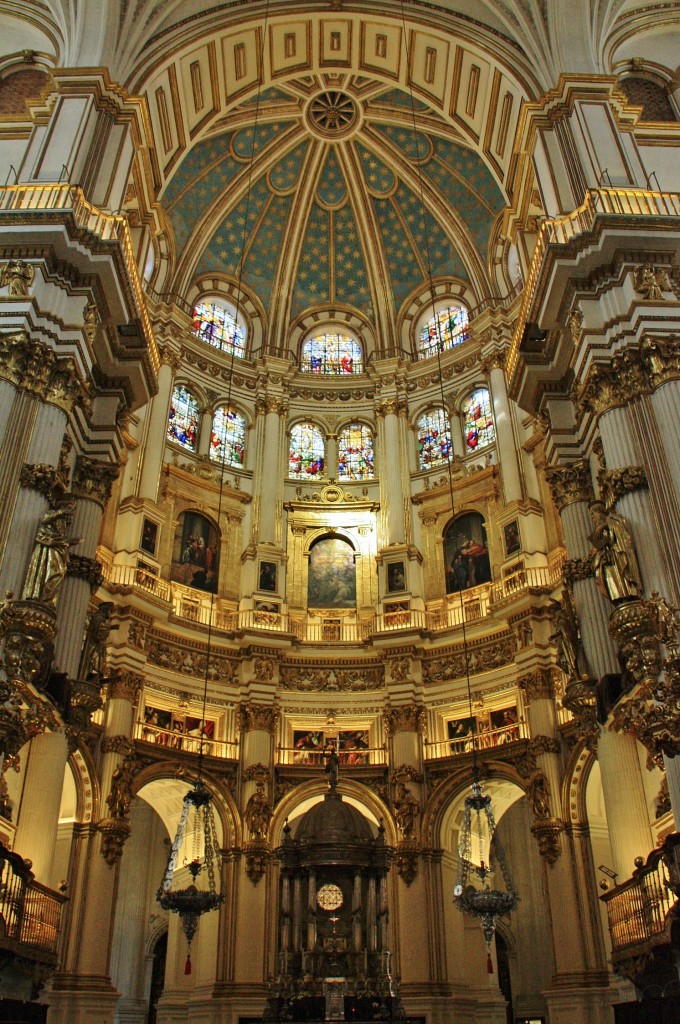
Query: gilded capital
[[539, 685], [494, 361], [48, 480], [614, 483], [569, 483], [93, 479], [661, 359], [405, 718], [258, 718], [613, 384], [124, 684], [574, 569], [84, 568], [170, 358], [34, 367], [391, 407], [276, 405]]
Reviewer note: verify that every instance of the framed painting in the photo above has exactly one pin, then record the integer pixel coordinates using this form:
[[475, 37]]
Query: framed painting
[[512, 537], [332, 574], [195, 556], [149, 536], [267, 577], [307, 746], [396, 577], [353, 746]]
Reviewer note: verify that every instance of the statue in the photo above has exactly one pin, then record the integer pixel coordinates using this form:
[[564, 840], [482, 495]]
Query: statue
[[120, 797], [614, 560], [49, 560], [258, 813], [538, 795], [17, 277], [332, 765], [651, 282], [567, 637], [93, 657], [406, 811]]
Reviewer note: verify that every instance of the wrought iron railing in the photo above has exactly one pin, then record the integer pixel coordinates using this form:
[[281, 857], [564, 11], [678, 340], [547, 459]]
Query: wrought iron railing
[[638, 909], [30, 913]]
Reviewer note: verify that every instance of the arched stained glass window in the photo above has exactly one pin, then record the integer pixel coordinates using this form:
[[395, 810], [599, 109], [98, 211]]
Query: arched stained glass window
[[434, 439], [228, 437], [355, 452], [218, 327], [447, 328], [337, 354], [478, 421], [183, 418], [307, 451]]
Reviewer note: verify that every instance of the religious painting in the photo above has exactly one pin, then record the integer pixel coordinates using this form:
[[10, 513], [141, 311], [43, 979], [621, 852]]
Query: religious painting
[[461, 731], [196, 729], [307, 746], [156, 725], [396, 577], [505, 724], [195, 555], [466, 553], [353, 747], [332, 574], [512, 539], [149, 536], [267, 579], [397, 613]]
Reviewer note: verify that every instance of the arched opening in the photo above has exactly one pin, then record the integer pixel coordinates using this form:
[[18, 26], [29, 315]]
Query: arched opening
[[159, 954]]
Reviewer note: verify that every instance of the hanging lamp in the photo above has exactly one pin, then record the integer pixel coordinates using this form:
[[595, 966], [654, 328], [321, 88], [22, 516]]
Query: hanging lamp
[[478, 841], [197, 817]]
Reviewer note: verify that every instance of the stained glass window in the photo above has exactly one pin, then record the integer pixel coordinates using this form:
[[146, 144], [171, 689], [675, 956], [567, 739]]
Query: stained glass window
[[183, 418], [218, 327], [434, 439], [332, 354], [307, 451], [447, 328], [478, 421], [355, 452], [228, 437]]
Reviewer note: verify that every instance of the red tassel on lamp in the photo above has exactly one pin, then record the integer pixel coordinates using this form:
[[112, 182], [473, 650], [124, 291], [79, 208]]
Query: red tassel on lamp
[[187, 966], [489, 965]]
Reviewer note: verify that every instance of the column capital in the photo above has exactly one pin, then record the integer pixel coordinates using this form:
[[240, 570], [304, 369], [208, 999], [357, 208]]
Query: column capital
[[84, 568], [391, 407], [171, 358], [494, 361], [123, 684], [50, 481], [661, 359], [258, 717], [570, 483], [614, 483], [539, 684], [92, 479], [613, 384], [276, 404], [405, 718], [574, 569], [34, 367]]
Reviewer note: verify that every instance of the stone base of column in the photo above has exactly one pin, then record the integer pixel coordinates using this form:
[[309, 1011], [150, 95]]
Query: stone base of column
[[81, 999], [132, 1011], [477, 1007], [578, 1002]]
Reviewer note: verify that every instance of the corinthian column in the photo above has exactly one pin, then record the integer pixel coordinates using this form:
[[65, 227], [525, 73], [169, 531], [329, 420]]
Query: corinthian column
[[157, 423], [391, 416], [494, 367], [275, 411]]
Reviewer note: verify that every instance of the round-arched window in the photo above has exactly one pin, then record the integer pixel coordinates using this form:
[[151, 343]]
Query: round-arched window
[[183, 418], [228, 437], [355, 452], [307, 455], [478, 426], [434, 439], [333, 354], [218, 326], [446, 329]]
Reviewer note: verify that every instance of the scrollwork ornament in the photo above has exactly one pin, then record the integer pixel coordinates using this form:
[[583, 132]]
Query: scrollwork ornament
[[575, 569], [547, 833], [615, 483], [539, 685], [405, 718], [541, 744], [115, 832], [406, 856], [259, 772], [570, 483]]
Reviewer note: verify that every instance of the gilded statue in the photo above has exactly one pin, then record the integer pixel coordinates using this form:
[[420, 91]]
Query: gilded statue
[[567, 637], [93, 657], [406, 811], [258, 813], [49, 559], [538, 795], [120, 797], [17, 277], [613, 556]]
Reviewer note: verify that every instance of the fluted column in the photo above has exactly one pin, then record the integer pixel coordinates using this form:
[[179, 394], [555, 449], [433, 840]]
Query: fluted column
[[36, 833], [157, 424], [91, 487], [506, 442], [7, 394], [311, 909], [630, 835], [297, 903], [371, 915], [391, 475], [270, 480]]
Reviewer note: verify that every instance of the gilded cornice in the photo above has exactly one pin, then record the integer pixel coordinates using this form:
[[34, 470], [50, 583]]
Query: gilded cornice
[[188, 659], [570, 483], [330, 678], [92, 479], [34, 367], [481, 657], [258, 717], [217, 371], [614, 483]]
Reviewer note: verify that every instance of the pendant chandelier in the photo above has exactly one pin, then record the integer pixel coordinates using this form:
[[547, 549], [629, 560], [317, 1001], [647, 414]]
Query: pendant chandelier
[[197, 820], [478, 842]]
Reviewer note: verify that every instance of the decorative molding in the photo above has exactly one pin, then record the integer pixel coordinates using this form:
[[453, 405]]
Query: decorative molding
[[115, 833], [613, 384], [406, 856], [118, 745], [651, 282], [405, 718], [570, 483], [258, 717], [309, 678], [391, 407], [84, 568], [547, 832], [574, 569], [50, 481], [661, 359], [123, 684], [541, 744], [258, 854], [539, 684], [483, 658], [167, 653]]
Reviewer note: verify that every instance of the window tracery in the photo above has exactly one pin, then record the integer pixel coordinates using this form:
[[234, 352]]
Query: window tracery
[[217, 326], [355, 452], [307, 454], [228, 437], [332, 354], [478, 425], [434, 439], [446, 329], [183, 418]]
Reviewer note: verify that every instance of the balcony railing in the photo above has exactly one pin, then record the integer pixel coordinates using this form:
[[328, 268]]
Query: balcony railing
[[316, 759], [30, 913], [172, 739], [638, 908], [108, 227], [478, 741]]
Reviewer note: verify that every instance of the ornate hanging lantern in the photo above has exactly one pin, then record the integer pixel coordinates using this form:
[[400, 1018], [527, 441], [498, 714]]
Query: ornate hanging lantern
[[190, 903], [477, 843]]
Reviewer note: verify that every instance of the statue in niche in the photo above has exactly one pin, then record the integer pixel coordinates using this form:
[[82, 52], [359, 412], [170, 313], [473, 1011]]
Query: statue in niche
[[49, 560], [567, 637], [406, 810], [613, 555], [120, 797], [93, 658], [258, 813], [538, 795]]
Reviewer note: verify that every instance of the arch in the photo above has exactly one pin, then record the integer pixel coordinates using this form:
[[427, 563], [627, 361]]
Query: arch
[[332, 353], [575, 782], [433, 431], [646, 91], [86, 783], [345, 318], [443, 326], [316, 789], [355, 451], [446, 802], [228, 437], [235, 293], [479, 430], [219, 324], [331, 574], [223, 802]]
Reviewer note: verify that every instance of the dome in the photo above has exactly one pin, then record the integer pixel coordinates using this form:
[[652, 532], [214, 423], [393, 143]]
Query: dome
[[331, 822]]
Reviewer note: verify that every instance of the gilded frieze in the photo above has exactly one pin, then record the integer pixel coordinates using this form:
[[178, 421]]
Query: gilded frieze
[[165, 653], [483, 658], [309, 678]]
